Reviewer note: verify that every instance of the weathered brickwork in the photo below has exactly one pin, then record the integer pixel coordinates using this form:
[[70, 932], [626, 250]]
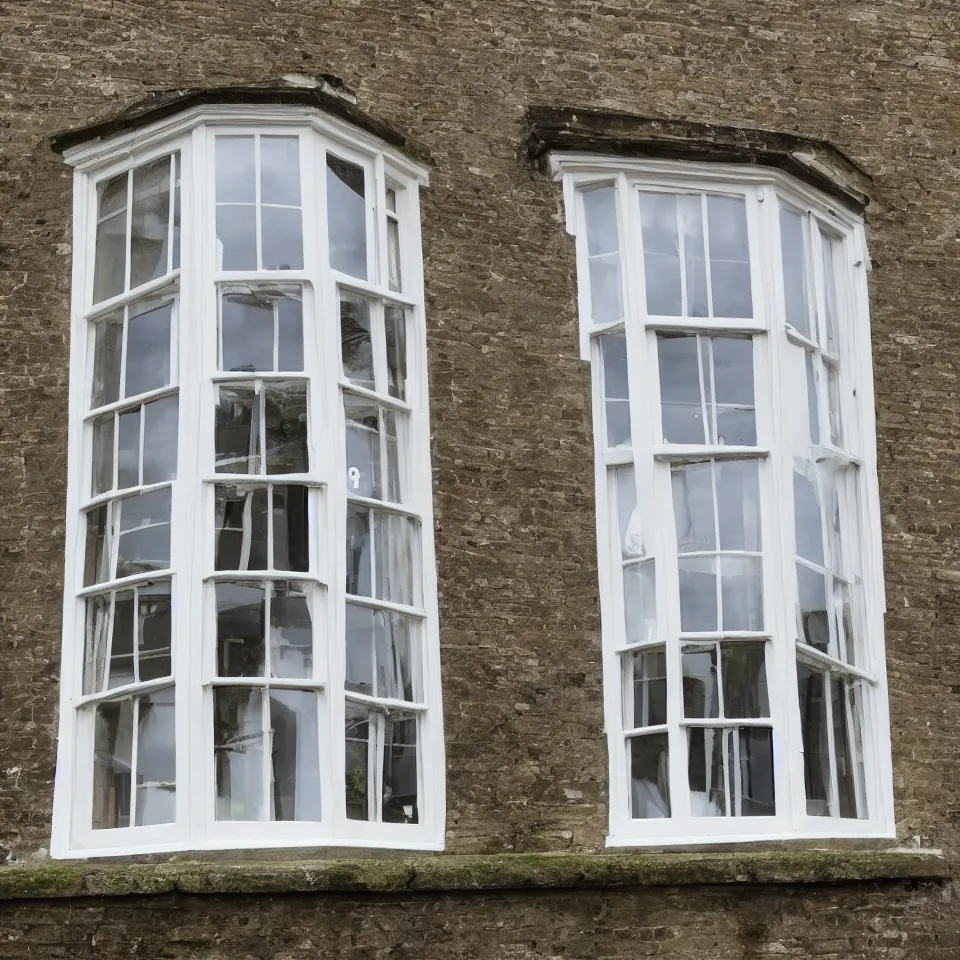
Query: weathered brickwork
[[512, 446]]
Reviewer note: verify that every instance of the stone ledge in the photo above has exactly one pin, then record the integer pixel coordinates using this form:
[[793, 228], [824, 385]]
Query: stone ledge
[[468, 873]]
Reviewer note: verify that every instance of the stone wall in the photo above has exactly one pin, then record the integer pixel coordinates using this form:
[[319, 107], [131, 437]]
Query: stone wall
[[512, 447]]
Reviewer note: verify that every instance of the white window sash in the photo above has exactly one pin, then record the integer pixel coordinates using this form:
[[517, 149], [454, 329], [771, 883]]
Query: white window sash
[[192, 540]]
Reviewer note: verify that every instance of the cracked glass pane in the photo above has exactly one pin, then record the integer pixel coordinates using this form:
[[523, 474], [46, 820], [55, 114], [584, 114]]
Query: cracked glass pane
[[356, 344], [97, 642]]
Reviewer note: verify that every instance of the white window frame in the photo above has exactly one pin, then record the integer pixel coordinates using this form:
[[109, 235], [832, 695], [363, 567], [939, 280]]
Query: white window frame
[[763, 189], [194, 364]]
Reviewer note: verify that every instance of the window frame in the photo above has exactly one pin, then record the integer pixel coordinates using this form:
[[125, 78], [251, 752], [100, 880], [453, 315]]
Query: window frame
[[763, 190], [195, 360]]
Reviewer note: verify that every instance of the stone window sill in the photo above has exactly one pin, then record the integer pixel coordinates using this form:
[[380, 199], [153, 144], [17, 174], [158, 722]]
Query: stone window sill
[[468, 873]]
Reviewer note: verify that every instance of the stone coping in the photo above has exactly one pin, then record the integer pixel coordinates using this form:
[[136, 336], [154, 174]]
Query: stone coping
[[52, 880]]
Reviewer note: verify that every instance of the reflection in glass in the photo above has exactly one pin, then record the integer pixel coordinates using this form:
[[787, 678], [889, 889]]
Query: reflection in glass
[[150, 221], [241, 527], [156, 759], [729, 257], [806, 512], [379, 653], [603, 252], [680, 392], [356, 345], [647, 679], [693, 506], [661, 254], [358, 762], [102, 455], [235, 164], [112, 763], [291, 631], [237, 430], [814, 624], [107, 349], [122, 670], [813, 397], [346, 217], [148, 346], [238, 753], [291, 527], [628, 514], [240, 629], [237, 236], [160, 440], [295, 758], [744, 680], [616, 394], [649, 759], [738, 504], [128, 449], [640, 601], [741, 593], [154, 631], [371, 449], [816, 747], [395, 331], [698, 594], [111, 254], [144, 542], [730, 771], [399, 802], [793, 259], [96, 643], [96, 559], [280, 170], [247, 331], [383, 568], [700, 686], [281, 238], [285, 418]]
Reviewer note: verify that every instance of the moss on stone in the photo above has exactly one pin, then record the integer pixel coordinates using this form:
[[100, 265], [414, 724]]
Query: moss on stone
[[465, 873]]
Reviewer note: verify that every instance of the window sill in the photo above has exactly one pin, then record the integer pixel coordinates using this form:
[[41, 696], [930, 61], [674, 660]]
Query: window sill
[[470, 873]]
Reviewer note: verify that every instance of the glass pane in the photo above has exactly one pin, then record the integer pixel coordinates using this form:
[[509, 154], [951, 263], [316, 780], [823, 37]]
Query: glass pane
[[393, 254], [613, 348], [833, 401], [96, 557], [807, 517], [700, 691], [144, 543], [290, 332], [238, 753], [736, 428], [854, 801], [379, 653], [280, 170], [150, 222], [128, 450], [237, 431], [296, 755], [107, 348], [371, 434], [600, 211], [794, 270], [698, 594], [237, 237], [628, 514], [346, 217], [649, 777], [96, 644], [680, 389], [395, 330], [358, 763], [246, 330], [814, 624], [121, 649], [399, 802], [691, 219], [281, 236], [729, 257], [241, 527], [813, 401], [154, 631], [148, 346], [733, 370], [236, 170], [661, 253], [640, 602], [705, 772], [178, 167], [751, 761], [156, 759], [647, 676], [693, 506], [102, 455], [285, 415], [112, 761], [356, 345], [240, 629], [816, 747], [830, 247], [160, 440], [606, 289], [385, 572], [291, 631], [744, 680], [738, 504], [291, 527], [111, 254], [742, 593]]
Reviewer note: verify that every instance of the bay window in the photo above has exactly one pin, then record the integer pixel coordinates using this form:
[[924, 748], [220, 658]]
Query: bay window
[[250, 629], [724, 312]]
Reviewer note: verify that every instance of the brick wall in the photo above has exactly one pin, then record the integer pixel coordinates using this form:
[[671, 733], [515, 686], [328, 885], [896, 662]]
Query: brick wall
[[512, 446]]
